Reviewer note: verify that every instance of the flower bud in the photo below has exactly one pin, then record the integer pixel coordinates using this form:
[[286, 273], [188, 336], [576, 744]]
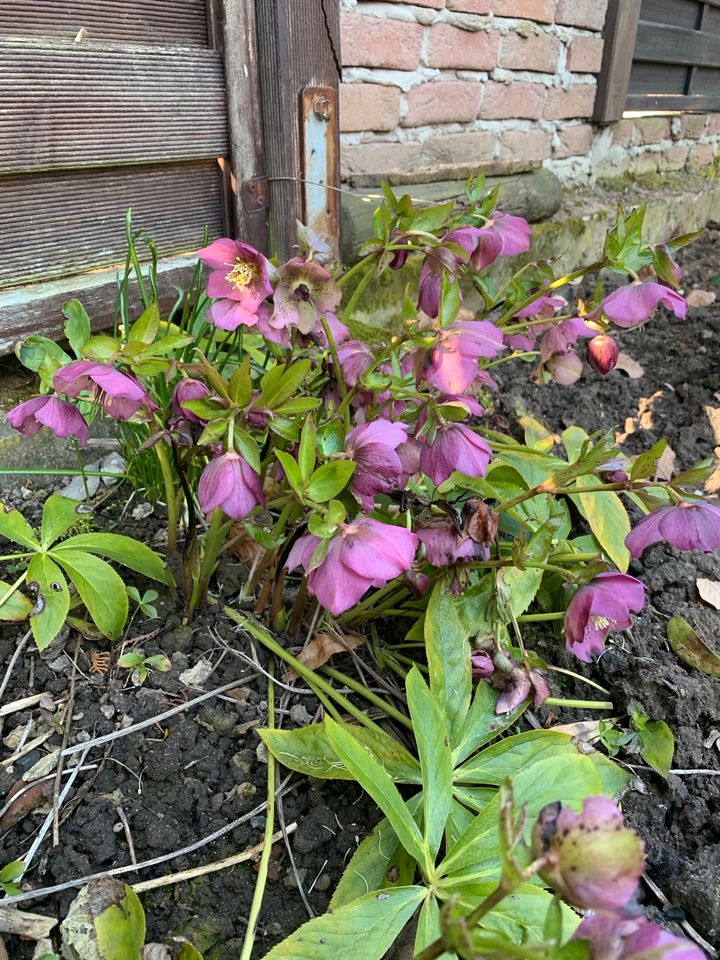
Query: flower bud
[[592, 860], [602, 354]]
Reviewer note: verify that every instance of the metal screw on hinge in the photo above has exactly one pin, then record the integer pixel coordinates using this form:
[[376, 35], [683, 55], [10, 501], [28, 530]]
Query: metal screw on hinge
[[322, 108]]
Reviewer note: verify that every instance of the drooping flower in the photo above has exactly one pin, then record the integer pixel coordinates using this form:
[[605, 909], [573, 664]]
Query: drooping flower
[[598, 608], [355, 358], [441, 261], [48, 411], [635, 303], [118, 393], [687, 526], [516, 683], [481, 665], [613, 937], [185, 390], [239, 280], [455, 447], [305, 292], [592, 860], [409, 453], [444, 545], [229, 482], [338, 331], [452, 363], [544, 306], [364, 553], [562, 336], [602, 354], [378, 468], [503, 235]]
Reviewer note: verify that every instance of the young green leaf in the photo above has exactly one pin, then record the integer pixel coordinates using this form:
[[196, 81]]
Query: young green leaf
[[306, 453], [482, 724], [146, 327], [292, 471], [116, 546], [14, 526], [448, 656], [329, 479], [100, 587], [120, 928], [52, 602], [16, 607], [59, 515], [240, 387], [608, 520], [77, 325], [644, 465]]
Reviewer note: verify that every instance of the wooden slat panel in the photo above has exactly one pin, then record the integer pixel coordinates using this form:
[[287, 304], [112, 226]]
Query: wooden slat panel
[[64, 223], [651, 78], [711, 22], [676, 45], [68, 105], [621, 24], [707, 83], [660, 102], [162, 22], [680, 13]]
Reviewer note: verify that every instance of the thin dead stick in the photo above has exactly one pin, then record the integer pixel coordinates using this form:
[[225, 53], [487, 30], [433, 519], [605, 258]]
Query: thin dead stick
[[21, 704], [128, 836], [143, 724], [193, 872], [688, 928], [13, 660], [145, 864], [16, 796], [34, 926], [27, 748], [679, 773], [66, 724]]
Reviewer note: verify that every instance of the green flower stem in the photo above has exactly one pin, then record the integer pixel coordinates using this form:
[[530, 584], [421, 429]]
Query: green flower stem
[[540, 617], [262, 874], [15, 556], [352, 393], [355, 269], [401, 658], [339, 376], [368, 694], [376, 611], [572, 491], [579, 676], [11, 590], [356, 294], [556, 284], [214, 539], [483, 564], [41, 472], [310, 676], [580, 704], [580, 557], [170, 496]]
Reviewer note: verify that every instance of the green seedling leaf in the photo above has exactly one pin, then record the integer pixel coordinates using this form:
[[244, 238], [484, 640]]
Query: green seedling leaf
[[644, 465], [657, 745], [364, 929], [100, 587], [280, 383], [17, 607], [306, 453], [329, 479], [120, 928], [77, 325], [431, 218], [482, 724], [14, 526], [376, 781], [189, 952], [101, 348], [59, 515], [292, 471], [116, 546], [433, 743], [52, 601], [130, 660], [691, 649], [146, 327], [448, 656]]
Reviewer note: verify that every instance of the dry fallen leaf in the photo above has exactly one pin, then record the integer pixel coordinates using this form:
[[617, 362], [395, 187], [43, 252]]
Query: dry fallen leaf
[[665, 466], [322, 647], [642, 419], [629, 365], [709, 591], [700, 298], [713, 415]]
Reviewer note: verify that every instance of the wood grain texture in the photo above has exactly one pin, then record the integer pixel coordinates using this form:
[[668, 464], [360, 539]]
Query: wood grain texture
[[67, 105], [162, 22], [661, 44], [60, 224], [621, 29]]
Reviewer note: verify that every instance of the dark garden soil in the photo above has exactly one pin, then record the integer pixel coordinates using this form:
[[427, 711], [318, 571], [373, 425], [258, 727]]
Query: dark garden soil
[[182, 779]]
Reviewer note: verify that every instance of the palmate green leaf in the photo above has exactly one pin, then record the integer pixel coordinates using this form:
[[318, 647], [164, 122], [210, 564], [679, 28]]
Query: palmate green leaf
[[43, 356], [364, 929], [508, 756], [309, 750], [519, 587], [482, 724], [448, 655], [376, 781], [101, 589], [644, 465], [115, 546], [433, 743], [59, 515], [52, 602], [120, 928], [77, 325], [14, 526], [430, 218], [329, 479], [608, 520], [17, 607]]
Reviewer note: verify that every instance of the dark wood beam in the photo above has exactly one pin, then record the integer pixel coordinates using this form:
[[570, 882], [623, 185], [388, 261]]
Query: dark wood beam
[[620, 33]]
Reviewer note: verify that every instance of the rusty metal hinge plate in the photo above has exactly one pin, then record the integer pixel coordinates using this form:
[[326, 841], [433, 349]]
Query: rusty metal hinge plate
[[320, 160], [256, 194]]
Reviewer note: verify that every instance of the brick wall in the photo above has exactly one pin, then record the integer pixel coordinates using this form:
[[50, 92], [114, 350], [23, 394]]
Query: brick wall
[[434, 89]]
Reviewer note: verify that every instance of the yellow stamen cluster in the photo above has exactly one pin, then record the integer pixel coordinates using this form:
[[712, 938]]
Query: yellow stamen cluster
[[241, 274]]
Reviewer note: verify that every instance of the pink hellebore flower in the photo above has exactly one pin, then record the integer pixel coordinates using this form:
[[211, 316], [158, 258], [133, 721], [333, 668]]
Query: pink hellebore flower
[[378, 468], [544, 306], [503, 235], [229, 482], [561, 337], [600, 607], [441, 260], [119, 394], [355, 357], [444, 545], [687, 526], [188, 390], [60, 416], [363, 554], [239, 280], [592, 860], [516, 685], [456, 447], [614, 937], [481, 665], [633, 304], [453, 361], [305, 291]]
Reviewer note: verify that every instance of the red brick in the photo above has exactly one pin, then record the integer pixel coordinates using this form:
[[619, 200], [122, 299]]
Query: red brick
[[458, 49], [459, 148], [675, 158], [653, 129], [469, 6], [582, 13], [705, 154], [532, 145], [622, 132], [380, 158], [576, 101], [585, 55], [536, 52], [645, 162], [502, 101], [692, 126], [714, 124], [375, 42], [542, 11], [368, 106], [575, 141], [456, 101], [435, 4]]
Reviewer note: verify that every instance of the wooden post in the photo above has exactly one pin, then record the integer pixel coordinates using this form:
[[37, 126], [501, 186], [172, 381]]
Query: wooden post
[[298, 47], [621, 26]]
